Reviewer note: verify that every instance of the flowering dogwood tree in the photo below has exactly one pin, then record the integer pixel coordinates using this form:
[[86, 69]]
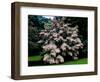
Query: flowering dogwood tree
[[59, 42]]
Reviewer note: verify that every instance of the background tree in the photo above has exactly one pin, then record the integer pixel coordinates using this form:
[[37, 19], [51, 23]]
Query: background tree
[[35, 25]]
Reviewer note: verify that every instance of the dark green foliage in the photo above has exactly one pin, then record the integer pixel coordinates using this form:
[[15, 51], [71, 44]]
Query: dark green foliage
[[35, 24], [83, 32]]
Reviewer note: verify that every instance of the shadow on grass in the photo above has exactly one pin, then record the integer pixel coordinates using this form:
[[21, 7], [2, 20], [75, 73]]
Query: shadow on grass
[[35, 63], [68, 62]]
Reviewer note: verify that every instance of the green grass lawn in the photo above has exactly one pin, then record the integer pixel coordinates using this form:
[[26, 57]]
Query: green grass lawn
[[34, 58], [74, 62], [79, 61]]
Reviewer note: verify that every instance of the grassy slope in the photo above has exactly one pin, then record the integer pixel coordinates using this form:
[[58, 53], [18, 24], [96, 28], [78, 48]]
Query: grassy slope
[[80, 61]]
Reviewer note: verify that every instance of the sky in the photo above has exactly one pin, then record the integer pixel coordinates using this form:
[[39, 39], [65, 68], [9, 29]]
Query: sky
[[49, 17]]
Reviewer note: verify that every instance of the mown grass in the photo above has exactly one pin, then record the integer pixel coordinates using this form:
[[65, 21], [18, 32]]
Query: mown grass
[[74, 62]]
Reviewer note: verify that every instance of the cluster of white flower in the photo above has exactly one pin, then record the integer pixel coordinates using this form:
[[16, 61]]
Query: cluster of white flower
[[59, 42]]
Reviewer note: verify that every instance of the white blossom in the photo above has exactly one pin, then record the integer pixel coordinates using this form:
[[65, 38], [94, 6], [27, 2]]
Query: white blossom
[[63, 46], [60, 58], [56, 39], [49, 47], [70, 53], [69, 39], [57, 50], [42, 32], [61, 28], [60, 38], [46, 57], [74, 35], [53, 53], [46, 34], [56, 61], [55, 35], [65, 25], [40, 41], [51, 60], [60, 32]]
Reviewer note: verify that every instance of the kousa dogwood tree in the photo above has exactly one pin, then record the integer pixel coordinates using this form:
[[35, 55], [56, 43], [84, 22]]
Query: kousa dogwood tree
[[60, 42]]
